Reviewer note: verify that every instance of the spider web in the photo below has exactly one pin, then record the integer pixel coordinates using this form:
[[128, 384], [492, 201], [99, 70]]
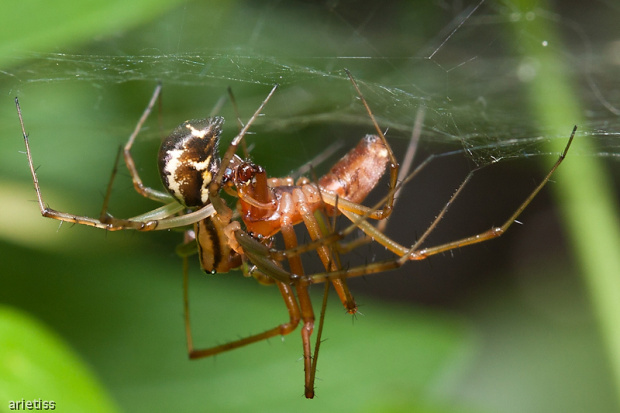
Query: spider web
[[468, 66]]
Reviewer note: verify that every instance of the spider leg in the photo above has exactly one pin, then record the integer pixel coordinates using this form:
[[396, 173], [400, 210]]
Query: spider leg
[[327, 227], [299, 308], [331, 262], [393, 163], [358, 214], [283, 329], [294, 203], [253, 249], [415, 253], [494, 232], [165, 211], [407, 162], [400, 250], [158, 219], [307, 313], [233, 100], [215, 185], [297, 311], [143, 190], [313, 227]]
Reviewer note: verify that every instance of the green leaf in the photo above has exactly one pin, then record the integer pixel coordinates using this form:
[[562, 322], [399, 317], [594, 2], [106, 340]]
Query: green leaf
[[36, 366]]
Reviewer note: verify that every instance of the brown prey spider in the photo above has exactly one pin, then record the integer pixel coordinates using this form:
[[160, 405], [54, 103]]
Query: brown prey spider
[[194, 175]]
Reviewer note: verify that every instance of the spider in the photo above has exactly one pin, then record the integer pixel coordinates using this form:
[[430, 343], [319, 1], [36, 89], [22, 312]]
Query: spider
[[194, 176]]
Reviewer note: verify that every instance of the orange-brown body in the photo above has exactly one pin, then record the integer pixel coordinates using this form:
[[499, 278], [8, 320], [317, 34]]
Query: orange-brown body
[[268, 204]]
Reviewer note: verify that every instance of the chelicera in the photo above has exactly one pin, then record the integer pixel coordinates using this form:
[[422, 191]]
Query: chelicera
[[194, 176]]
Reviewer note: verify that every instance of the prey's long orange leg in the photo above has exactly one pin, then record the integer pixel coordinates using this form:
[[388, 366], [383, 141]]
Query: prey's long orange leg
[[416, 253], [307, 313], [340, 285], [282, 329]]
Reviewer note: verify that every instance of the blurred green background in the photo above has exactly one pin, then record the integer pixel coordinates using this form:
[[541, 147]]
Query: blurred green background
[[93, 320]]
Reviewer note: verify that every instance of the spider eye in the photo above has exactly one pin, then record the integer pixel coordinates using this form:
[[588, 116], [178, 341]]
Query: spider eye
[[189, 158]]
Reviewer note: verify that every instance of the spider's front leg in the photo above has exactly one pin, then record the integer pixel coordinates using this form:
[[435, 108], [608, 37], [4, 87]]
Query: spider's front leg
[[160, 218]]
